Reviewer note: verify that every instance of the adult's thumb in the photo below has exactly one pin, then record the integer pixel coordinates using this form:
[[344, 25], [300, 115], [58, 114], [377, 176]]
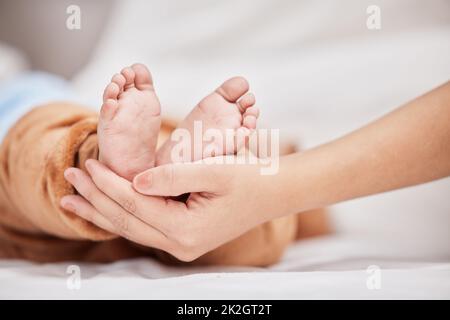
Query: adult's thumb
[[175, 179]]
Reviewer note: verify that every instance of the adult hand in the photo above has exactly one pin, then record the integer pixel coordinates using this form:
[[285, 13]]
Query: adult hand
[[228, 200], [225, 201]]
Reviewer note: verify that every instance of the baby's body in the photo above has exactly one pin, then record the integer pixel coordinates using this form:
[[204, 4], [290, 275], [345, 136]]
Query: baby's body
[[130, 120]]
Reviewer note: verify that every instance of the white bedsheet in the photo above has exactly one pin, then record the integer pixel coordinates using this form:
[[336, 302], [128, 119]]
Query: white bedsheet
[[331, 267]]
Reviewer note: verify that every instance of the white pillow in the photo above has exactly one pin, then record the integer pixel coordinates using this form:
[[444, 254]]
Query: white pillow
[[12, 62]]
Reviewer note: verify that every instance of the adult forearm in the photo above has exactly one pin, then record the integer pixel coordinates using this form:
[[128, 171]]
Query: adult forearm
[[406, 147]]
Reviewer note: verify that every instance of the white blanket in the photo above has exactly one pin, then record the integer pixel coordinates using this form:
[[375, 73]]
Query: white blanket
[[327, 268]]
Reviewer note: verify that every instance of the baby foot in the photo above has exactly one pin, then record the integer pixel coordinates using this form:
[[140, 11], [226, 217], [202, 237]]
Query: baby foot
[[129, 122], [228, 107]]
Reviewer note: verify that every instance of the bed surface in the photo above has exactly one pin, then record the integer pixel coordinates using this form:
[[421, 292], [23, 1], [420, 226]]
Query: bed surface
[[333, 267]]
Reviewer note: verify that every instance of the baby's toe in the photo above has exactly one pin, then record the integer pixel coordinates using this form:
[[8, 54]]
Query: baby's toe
[[143, 78], [245, 102], [252, 111], [233, 88], [250, 122], [111, 91], [120, 80], [108, 110], [129, 75], [250, 117]]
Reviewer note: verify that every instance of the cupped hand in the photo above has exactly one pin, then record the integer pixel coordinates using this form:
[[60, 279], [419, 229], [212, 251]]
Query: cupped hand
[[225, 201]]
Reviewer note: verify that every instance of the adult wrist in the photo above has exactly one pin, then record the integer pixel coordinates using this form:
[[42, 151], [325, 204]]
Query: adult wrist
[[275, 191]]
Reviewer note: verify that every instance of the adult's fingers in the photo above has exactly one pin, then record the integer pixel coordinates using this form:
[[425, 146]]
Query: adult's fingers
[[157, 212], [177, 179], [85, 210], [125, 224]]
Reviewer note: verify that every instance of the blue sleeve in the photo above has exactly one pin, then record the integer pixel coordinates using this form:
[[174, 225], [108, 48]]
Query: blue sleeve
[[21, 94]]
